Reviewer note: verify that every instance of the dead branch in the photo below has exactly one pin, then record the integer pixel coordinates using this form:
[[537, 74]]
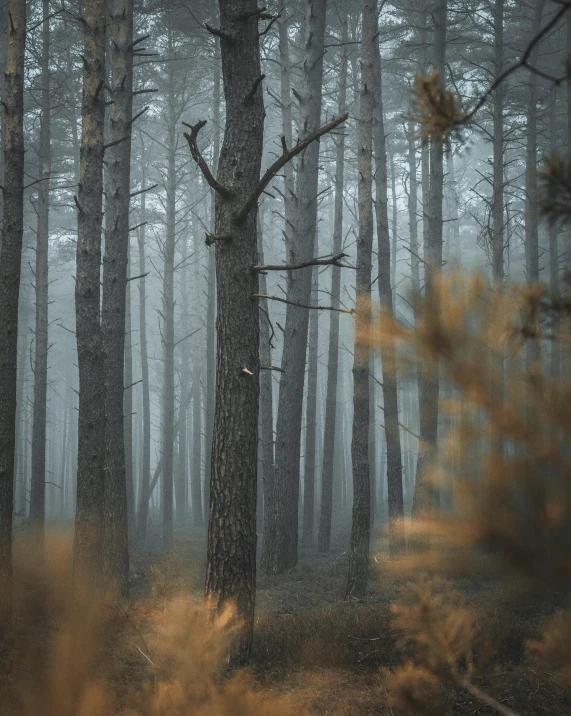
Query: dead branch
[[351, 311], [271, 367], [212, 238], [199, 159], [252, 93], [287, 156], [331, 261], [218, 33]]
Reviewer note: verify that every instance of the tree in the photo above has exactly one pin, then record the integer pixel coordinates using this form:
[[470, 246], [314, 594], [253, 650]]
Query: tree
[[10, 262], [38, 481], [88, 554], [325, 514], [290, 402], [113, 317], [386, 294], [361, 523]]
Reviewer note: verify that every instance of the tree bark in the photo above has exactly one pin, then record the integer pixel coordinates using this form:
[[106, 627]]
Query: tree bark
[[357, 578], [329, 430], [386, 288], [231, 552], [290, 405], [10, 263], [88, 546], [555, 357], [113, 321], [38, 481]]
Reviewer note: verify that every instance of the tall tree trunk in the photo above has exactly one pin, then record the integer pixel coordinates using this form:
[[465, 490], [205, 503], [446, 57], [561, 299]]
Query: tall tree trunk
[[10, 263], [413, 210], [533, 348], [38, 482], [211, 292], [427, 495], [266, 405], [360, 529], [311, 416], [555, 357], [290, 405], [231, 552], [115, 262], [287, 130], [144, 487], [3, 49], [181, 492], [329, 430], [197, 511], [128, 412], [168, 321], [390, 392]]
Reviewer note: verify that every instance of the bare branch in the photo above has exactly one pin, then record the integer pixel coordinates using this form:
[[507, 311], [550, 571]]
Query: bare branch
[[332, 261], [287, 156], [211, 238], [199, 159], [219, 33], [351, 311]]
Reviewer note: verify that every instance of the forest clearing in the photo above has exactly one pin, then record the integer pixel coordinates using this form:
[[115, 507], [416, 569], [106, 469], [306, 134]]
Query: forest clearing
[[285, 329]]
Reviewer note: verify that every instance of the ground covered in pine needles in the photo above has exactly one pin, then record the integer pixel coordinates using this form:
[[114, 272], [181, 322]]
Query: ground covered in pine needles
[[313, 652]]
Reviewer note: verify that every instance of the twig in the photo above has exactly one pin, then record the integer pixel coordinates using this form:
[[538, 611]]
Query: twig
[[271, 367], [141, 275]]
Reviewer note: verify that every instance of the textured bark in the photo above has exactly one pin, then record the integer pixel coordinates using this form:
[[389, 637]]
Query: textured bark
[[128, 413], [38, 481], [231, 552], [360, 527], [329, 430], [181, 481], [386, 288], [196, 485], [145, 474], [88, 546], [290, 404], [10, 262], [287, 130], [115, 262], [3, 48], [311, 417], [427, 495], [413, 210]]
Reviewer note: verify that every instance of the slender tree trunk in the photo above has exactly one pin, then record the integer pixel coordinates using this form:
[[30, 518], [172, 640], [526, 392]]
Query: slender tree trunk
[[144, 488], [287, 131], [185, 386], [38, 482], [360, 529], [427, 495], [311, 417], [290, 405], [211, 292], [329, 430], [389, 369], [555, 357], [231, 552], [3, 49], [168, 324], [10, 263], [533, 348], [266, 406], [118, 163], [413, 211], [128, 413], [197, 512]]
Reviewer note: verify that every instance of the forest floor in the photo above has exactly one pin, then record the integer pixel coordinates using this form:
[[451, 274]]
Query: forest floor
[[331, 652], [328, 654]]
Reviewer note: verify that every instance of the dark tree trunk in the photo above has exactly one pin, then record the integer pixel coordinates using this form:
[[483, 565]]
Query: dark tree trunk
[[329, 430], [360, 529], [290, 405], [38, 482], [386, 272], [555, 357], [10, 262], [118, 163], [231, 553], [88, 547]]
